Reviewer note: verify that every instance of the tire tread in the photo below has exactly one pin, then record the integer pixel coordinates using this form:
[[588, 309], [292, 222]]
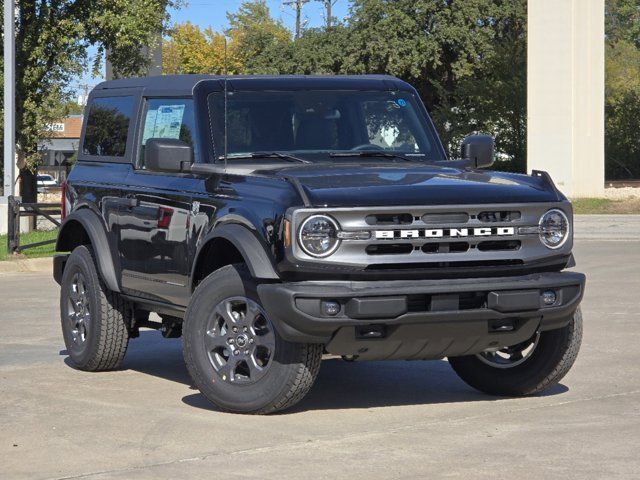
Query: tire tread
[[113, 337]]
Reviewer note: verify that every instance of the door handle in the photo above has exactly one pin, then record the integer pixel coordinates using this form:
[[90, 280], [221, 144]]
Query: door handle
[[131, 202]]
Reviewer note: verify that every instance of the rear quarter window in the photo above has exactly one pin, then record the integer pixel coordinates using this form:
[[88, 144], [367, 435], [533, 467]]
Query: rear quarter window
[[108, 126]]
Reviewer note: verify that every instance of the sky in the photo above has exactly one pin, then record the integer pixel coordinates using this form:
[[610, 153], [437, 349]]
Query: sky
[[214, 13]]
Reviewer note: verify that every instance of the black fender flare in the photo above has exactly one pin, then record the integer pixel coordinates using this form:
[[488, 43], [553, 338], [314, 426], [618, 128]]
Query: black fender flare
[[105, 255], [248, 245]]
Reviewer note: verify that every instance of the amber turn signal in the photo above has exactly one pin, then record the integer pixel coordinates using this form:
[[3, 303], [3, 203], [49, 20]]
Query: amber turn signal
[[287, 233]]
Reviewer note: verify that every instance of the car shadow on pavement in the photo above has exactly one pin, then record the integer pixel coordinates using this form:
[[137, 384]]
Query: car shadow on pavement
[[340, 384]]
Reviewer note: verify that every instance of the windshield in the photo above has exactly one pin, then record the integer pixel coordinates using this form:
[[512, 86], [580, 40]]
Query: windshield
[[304, 123]]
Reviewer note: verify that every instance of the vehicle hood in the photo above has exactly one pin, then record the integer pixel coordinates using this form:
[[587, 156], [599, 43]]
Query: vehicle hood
[[391, 185]]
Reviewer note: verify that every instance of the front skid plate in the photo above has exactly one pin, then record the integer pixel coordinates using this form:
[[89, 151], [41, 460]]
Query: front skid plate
[[430, 341]]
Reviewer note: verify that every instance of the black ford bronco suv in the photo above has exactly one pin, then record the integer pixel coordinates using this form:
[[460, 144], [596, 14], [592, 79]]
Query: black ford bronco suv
[[271, 220]]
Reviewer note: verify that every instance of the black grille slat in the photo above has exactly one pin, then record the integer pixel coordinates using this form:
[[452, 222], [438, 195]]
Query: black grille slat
[[445, 247], [499, 216], [451, 265], [389, 249], [445, 218], [389, 219], [499, 245]]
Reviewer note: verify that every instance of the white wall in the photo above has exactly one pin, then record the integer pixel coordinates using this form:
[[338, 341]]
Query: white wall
[[565, 93]]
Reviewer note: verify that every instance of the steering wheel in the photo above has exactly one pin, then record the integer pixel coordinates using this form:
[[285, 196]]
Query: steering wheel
[[367, 146]]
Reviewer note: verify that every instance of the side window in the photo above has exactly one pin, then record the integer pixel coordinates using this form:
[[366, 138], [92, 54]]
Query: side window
[[169, 118], [108, 126]]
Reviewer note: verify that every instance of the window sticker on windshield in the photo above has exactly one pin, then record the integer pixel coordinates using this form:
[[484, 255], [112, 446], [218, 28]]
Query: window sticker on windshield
[[165, 122], [401, 102]]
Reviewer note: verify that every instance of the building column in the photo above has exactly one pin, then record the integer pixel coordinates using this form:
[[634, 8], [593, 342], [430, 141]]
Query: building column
[[565, 93]]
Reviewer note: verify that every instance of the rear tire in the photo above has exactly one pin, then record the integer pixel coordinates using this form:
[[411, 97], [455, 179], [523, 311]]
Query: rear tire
[[94, 319], [233, 353], [551, 359]]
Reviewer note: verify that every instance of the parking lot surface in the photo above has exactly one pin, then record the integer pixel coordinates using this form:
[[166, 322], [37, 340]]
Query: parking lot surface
[[360, 421]]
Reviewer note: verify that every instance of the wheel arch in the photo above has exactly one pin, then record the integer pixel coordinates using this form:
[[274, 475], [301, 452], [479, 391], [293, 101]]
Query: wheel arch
[[229, 244], [84, 227]]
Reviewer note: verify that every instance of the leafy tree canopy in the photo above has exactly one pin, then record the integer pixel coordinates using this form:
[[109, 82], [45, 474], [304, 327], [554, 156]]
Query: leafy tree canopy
[[467, 59], [622, 92], [53, 38]]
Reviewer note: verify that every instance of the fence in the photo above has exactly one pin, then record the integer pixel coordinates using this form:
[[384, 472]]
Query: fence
[[18, 210]]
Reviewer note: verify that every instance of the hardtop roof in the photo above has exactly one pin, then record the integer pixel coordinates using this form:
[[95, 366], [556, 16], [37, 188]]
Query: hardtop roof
[[184, 84]]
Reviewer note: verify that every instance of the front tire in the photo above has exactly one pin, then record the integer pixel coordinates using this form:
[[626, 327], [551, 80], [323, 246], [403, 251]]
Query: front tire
[[527, 369], [94, 319], [234, 354]]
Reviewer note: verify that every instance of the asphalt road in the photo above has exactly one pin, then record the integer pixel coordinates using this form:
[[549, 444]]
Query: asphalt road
[[360, 421]]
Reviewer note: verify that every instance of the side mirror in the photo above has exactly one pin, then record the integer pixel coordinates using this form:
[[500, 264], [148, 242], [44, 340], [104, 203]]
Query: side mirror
[[478, 149], [167, 155]]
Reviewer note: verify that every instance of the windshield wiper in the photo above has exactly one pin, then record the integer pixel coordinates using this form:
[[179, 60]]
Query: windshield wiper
[[369, 153], [280, 155]]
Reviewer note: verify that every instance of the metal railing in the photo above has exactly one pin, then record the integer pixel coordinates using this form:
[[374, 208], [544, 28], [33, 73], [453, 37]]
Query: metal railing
[[18, 210]]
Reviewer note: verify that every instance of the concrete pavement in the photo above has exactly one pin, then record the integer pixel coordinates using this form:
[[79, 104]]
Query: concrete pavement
[[360, 421], [607, 227]]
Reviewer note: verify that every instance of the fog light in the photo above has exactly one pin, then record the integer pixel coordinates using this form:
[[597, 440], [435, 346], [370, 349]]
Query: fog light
[[331, 308], [549, 297]]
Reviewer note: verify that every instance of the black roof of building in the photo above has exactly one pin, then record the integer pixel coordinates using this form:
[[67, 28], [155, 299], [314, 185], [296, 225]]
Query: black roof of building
[[176, 84]]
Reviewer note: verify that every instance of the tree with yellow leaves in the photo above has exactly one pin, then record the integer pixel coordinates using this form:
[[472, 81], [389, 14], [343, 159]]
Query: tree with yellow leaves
[[255, 43]]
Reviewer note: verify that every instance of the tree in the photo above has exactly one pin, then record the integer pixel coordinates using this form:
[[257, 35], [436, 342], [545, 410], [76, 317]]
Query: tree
[[192, 50], [454, 53], [466, 58], [622, 110], [622, 21], [263, 44], [53, 38], [622, 90], [256, 43]]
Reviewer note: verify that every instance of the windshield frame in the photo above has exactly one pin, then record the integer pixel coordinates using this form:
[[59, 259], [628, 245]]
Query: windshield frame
[[216, 151]]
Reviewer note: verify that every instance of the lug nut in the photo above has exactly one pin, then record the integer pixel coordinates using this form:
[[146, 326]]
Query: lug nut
[[235, 329], [251, 340], [236, 352], [244, 329], [246, 352], [230, 341]]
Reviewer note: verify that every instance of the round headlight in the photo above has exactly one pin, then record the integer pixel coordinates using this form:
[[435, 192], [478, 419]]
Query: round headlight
[[318, 236], [554, 229]]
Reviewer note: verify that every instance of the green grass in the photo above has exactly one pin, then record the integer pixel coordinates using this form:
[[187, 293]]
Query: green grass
[[591, 206], [31, 237]]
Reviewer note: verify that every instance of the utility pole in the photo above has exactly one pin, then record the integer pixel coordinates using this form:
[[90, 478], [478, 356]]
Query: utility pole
[[9, 113], [9, 98], [328, 4], [297, 5]]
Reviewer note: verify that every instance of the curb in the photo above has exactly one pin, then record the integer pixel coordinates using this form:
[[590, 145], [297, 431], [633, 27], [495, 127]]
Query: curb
[[24, 265]]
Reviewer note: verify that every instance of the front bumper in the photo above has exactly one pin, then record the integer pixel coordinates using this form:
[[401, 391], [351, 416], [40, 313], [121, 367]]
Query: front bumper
[[422, 319]]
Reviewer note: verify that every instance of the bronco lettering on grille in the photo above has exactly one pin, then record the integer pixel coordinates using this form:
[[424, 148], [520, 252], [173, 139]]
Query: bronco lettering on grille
[[445, 233]]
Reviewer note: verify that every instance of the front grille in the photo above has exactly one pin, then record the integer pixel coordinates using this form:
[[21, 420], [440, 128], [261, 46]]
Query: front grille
[[435, 237]]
